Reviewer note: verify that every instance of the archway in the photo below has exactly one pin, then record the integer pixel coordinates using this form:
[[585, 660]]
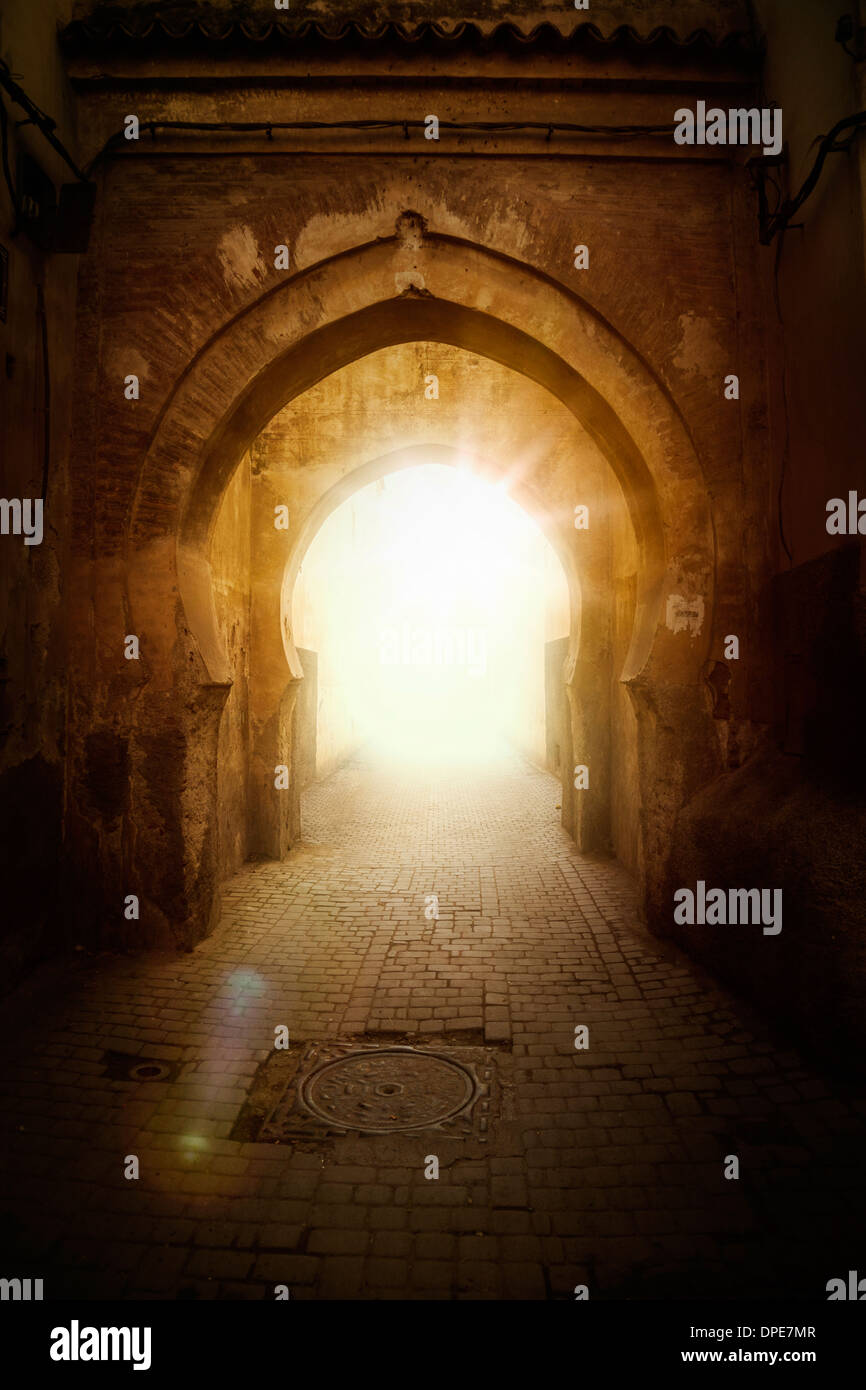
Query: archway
[[410, 287]]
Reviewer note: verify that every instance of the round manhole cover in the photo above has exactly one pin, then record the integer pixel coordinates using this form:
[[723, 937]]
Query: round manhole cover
[[395, 1088]]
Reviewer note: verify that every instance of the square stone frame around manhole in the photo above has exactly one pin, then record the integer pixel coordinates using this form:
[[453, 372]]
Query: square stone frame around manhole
[[276, 1113]]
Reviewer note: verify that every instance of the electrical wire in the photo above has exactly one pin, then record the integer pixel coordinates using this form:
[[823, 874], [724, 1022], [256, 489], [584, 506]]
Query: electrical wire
[[482, 127], [7, 172], [786, 448], [43, 122], [46, 389], [778, 221]]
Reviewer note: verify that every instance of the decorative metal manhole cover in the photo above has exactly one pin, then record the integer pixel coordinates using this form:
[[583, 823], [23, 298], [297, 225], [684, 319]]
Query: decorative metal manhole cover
[[389, 1088], [324, 1090]]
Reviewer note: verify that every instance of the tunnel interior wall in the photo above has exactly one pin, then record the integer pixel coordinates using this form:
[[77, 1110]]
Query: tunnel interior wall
[[546, 621], [555, 703], [230, 565], [305, 732], [624, 804], [325, 587]]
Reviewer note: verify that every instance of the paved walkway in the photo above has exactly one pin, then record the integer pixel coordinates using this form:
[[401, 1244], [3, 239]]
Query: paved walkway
[[602, 1167]]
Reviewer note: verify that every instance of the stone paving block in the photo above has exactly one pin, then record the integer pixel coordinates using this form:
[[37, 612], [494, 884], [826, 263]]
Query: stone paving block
[[337, 1241], [286, 1269], [523, 1280], [479, 1278], [278, 1237], [391, 1244], [433, 1274], [159, 1269], [342, 1277], [393, 1274], [220, 1264], [508, 1191]]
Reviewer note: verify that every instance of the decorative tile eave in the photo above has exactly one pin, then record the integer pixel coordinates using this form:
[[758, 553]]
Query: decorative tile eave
[[106, 31]]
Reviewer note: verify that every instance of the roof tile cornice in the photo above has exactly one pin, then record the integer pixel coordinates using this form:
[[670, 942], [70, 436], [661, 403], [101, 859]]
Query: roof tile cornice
[[189, 26]]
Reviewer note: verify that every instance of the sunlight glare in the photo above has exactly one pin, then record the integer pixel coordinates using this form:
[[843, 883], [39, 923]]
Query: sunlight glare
[[435, 593]]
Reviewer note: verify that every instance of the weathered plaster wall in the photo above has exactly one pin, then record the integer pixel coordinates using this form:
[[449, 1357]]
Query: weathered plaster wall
[[794, 817], [230, 560], [548, 615], [791, 814], [820, 420], [624, 803]]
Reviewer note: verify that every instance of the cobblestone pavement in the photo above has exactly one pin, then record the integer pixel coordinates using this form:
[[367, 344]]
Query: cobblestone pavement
[[602, 1167]]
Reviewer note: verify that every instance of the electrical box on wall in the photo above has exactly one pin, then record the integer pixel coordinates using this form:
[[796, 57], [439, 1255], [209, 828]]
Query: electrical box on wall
[[37, 201], [74, 217], [62, 226]]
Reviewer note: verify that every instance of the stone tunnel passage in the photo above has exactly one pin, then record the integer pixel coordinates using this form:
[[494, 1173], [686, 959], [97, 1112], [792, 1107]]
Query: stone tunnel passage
[[601, 1167], [325, 646]]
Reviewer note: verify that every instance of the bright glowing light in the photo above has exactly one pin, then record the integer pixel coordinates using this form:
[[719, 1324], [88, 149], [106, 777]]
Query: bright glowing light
[[429, 597], [193, 1146], [243, 987]]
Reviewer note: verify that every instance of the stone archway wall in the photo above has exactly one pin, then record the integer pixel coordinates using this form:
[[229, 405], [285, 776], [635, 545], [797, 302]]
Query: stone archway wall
[[311, 326], [524, 439], [410, 286], [175, 478]]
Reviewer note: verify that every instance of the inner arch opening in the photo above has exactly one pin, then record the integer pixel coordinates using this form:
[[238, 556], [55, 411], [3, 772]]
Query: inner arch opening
[[432, 617]]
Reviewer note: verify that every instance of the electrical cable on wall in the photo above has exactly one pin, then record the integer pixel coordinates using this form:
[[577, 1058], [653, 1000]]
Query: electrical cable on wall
[[786, 448], [772, 222], [7, 172], [46, 389], [480, 127], [46, 124], [777, 221]]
